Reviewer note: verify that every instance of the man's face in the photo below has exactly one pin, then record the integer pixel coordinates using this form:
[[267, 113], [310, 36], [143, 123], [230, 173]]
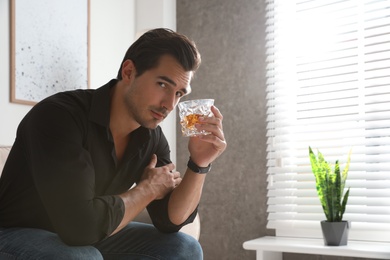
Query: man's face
[[153, 95]]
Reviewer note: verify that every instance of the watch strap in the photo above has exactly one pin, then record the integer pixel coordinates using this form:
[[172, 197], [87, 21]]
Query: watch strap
[[195, 168]]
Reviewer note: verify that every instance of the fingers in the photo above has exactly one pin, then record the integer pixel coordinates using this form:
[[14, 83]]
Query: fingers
[[216, 138], [212, 124], [160, 180], [175, 174], [216, 112], [176, 179], [153, 161], [168, 169]]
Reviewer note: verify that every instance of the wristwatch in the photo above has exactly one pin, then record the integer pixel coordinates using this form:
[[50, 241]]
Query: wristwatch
[[195, 168]]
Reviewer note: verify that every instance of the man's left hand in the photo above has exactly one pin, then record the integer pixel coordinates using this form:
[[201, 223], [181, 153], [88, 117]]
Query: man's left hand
[[204, 149]]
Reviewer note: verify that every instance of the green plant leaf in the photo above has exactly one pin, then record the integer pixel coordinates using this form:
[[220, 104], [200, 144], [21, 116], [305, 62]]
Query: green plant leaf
[[345, 171], [320, 180], [344, 204], [330, 185], [336, 192]]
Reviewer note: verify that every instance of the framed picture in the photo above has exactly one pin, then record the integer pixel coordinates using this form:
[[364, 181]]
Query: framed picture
[[49, 48]]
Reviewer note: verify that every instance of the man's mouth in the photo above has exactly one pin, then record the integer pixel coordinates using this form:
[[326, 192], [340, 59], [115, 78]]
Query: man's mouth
[[158, 115]]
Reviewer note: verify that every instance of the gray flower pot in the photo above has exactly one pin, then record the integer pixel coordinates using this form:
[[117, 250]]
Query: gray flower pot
[[335, 233]]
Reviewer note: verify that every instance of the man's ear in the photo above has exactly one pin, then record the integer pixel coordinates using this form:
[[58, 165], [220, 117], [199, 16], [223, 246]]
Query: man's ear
[[128, 69]]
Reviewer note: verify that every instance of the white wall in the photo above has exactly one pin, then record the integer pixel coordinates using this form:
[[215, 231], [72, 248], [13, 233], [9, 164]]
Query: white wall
[[113, 27], [10, 114], [112, 30], [152, 14]]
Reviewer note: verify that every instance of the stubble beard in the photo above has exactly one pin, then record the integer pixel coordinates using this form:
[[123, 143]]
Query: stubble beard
[[136, 113]]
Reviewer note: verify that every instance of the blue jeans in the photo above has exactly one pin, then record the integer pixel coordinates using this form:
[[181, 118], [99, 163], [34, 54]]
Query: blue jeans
[[135, 241]]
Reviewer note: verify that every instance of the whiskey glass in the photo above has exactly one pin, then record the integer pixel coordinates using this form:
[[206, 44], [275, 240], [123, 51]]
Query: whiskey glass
[[190, 111]]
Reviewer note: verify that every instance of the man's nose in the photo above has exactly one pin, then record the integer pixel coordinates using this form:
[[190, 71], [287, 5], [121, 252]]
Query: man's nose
[[170, 102]]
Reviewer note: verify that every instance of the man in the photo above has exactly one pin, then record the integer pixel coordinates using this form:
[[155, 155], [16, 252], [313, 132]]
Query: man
[[65, 191]]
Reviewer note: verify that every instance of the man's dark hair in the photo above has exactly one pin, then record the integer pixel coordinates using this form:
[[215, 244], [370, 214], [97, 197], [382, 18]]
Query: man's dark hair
[[147, 50]]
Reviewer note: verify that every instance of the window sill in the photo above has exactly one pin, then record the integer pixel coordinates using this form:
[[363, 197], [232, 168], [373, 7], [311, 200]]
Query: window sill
[[272, 248]]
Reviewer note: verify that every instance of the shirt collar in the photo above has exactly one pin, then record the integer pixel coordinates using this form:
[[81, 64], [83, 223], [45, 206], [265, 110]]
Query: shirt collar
[[100, 105]]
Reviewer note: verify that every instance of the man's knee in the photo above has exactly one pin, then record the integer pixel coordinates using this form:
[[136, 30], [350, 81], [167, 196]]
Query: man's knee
[[188, 247]]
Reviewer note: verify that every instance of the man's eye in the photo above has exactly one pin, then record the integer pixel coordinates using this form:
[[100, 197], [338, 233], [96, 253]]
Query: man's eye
[[162, 84], [179, 94]]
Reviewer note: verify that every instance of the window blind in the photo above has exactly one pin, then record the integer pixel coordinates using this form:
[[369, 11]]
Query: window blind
[[328, 87]]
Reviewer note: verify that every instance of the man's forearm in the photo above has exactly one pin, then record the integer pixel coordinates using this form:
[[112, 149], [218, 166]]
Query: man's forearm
[[185, 198], [135, 200]]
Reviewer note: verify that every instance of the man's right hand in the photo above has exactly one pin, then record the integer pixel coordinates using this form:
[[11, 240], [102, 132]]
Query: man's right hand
[[160, 180]]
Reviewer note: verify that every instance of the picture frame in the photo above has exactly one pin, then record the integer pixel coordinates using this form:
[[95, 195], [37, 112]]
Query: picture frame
[[49, 48]]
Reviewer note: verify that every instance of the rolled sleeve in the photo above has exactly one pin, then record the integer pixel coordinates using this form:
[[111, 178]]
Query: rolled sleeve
[[158, 210]]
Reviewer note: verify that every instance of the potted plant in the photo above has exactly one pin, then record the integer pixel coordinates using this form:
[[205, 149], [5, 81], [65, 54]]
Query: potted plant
[[330, 185]]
